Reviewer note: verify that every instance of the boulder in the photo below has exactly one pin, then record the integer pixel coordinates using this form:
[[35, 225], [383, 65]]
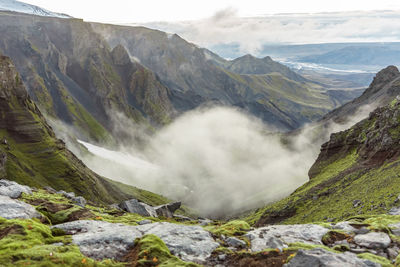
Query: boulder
[[394, 211], [167, 210], [134, 206], [101, 240], [69, 195], [235, 242], [323, 258], [15, 209], [395, 228], [306, 233], [80, 201], [373, 240], [13, 189]]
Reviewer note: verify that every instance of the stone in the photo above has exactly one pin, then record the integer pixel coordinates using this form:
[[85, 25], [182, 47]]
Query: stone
[[394, 211], [356, 203], [344, 226], [393, 253], [69, 195], [13, 189], [80, 201], [50, 190], [323, 258], [167, 210], [374, 240], [222, 257], [235, 242], [190, 243], [305, 233], [101, 240], [204, 222], [15, 209], [134, 206], [395, 228], [181, 218], [143, 222]]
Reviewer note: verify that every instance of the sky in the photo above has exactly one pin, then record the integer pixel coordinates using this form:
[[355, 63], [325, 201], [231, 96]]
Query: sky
[[130, 11]]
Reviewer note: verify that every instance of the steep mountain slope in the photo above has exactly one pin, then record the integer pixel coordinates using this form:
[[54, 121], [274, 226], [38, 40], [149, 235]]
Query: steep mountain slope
[[31, 154], [382, 90], [355, 173], [74, 76], [196, 76], [249, 64], [17, 6]]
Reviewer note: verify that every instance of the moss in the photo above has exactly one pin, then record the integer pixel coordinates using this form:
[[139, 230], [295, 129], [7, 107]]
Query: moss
[[231, 228], [374, 258], [153, 252], [36, 246]]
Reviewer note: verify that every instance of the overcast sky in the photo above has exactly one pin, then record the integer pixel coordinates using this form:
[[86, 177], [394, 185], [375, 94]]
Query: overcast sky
[[127, 11]]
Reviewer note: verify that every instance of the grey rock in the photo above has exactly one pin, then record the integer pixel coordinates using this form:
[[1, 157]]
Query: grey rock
[[395, 228], [305, 233], [15, 209], [13, 189], [394, 211], [344, 226], [222, 257], [143, 222], [204, 222], [373, 240], [182, 218], [100, 240], [235, 242], [356, 203], [190, 243], [50, 189], [80, 201], [134, 206], [323, 258], [167, 210], [114, 206], [362, 231], [393, 252], [69, 195]]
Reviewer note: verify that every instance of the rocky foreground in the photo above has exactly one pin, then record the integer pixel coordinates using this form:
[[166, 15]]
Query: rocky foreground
[[44, 227]]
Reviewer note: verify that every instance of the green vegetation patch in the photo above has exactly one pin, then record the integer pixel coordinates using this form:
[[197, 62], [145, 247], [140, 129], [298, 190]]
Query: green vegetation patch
[[150, 250], [232, 228], [32, 243]]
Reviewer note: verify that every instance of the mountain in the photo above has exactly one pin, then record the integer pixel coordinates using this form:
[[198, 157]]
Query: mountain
[[249, 64], [17, 6], [32, 155], [74, 76], [355, 172], [196, 76], [358, 55], [382, 90]]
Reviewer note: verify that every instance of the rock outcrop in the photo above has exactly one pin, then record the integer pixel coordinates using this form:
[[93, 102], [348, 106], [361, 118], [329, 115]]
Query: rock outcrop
[[15, 209], [102, 240], [135, 206]]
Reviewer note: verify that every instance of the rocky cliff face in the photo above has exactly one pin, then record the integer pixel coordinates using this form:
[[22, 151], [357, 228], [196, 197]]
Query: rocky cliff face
[[31, 154], [382, 90], [356, 170], [73, 75], [196, 76]]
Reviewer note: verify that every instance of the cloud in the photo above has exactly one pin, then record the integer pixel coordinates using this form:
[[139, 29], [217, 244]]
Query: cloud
[[251, 33]]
